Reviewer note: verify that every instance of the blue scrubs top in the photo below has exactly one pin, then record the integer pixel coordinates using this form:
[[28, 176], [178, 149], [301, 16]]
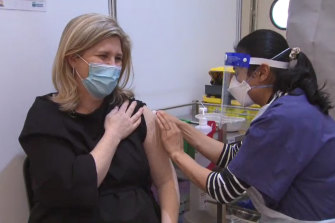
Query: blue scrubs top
[[288, 154]]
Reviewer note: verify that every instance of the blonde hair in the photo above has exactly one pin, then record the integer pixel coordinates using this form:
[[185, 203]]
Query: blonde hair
[[79, 35]]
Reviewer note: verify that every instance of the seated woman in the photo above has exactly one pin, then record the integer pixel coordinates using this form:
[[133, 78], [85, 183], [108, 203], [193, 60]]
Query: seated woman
[[93, 150]]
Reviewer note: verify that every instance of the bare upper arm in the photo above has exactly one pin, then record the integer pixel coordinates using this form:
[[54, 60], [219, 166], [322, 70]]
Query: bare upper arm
[[160, 165]]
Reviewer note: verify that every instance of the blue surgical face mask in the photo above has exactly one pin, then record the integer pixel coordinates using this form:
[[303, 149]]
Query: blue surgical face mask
[[102, 79]]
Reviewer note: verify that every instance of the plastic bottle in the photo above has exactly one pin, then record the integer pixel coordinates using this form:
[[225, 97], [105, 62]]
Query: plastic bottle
[[203, 127], [198, 198]]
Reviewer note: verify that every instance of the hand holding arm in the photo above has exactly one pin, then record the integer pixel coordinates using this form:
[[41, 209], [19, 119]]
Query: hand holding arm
[[202, 177], [207, 146], [172, 140], [119, 123]]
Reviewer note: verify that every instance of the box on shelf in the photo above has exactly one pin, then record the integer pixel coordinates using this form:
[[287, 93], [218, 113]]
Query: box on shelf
[[212, 100], [249, 112], [236, 110]]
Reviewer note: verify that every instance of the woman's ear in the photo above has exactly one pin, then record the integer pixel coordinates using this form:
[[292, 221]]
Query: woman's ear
[[264, 72], [72, 60]]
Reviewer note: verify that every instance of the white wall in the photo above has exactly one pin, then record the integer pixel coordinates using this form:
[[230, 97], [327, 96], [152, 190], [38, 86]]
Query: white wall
[[175, 43]]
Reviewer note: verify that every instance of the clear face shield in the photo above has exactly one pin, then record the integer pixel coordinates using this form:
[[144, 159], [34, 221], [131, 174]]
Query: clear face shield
[[236, 83], [235, 75], [234, 63]]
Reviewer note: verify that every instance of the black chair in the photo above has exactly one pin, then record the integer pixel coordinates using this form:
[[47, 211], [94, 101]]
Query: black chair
[[28, 183]]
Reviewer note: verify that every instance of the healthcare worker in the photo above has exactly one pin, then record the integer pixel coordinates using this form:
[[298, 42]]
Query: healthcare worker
[[286, 160]]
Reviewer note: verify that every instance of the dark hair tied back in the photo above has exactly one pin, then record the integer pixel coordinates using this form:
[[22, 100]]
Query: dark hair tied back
[[300, 74]]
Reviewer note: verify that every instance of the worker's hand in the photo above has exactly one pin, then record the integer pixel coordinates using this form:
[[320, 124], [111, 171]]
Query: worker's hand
[[171, 118], [120, 122], [170, 134]]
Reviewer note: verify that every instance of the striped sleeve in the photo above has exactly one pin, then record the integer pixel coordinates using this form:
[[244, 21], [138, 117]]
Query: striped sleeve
[[228, 153], [224, 187]]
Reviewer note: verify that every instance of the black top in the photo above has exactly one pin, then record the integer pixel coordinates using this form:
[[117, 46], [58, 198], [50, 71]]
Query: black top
[[58, 145]]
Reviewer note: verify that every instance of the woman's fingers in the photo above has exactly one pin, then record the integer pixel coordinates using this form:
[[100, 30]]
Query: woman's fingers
[[121, 121], [131, 108], [137, 123], [172, 140], [173, 127], [160, 125], [137, 115], [164, 123], [124, 106], [169, 117], [114, 110]]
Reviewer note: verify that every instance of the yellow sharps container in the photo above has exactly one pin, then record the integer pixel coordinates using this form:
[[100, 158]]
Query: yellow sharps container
[[249, 112]]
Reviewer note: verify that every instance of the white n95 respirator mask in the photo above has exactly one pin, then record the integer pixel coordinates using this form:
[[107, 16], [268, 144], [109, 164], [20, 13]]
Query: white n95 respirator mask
[[240, 92]]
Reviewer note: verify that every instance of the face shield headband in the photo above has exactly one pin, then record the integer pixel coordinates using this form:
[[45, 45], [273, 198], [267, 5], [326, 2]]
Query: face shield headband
[[244, 60]]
